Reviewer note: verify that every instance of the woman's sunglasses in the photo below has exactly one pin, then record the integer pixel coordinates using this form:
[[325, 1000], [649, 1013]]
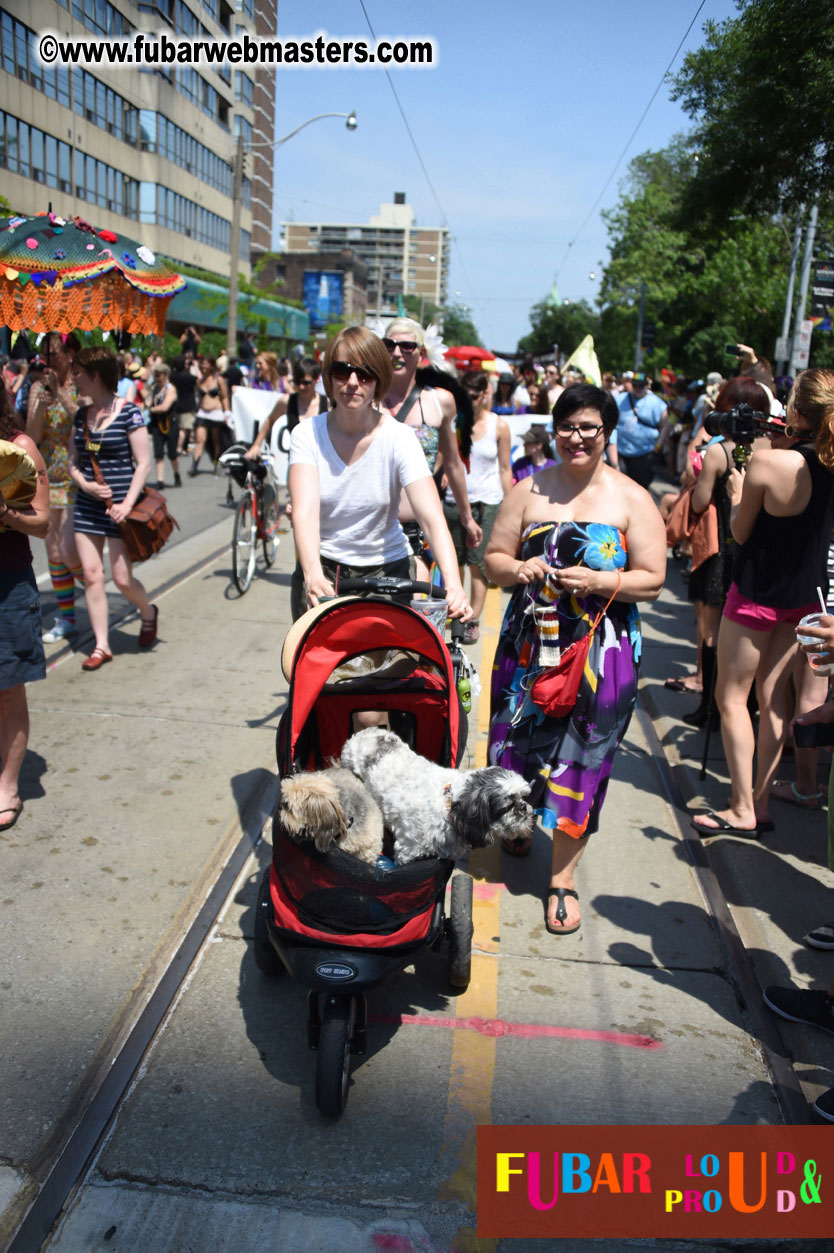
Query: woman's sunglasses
[[342, 370], [404, 345]]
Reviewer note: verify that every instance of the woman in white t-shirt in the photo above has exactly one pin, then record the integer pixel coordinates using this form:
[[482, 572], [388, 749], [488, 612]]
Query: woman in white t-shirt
[[348, 468]]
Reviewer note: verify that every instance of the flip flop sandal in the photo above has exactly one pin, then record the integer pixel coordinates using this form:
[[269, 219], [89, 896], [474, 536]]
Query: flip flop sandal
[[517, 847], [15, 811], [561, 912], [722, 827], [678, 685]]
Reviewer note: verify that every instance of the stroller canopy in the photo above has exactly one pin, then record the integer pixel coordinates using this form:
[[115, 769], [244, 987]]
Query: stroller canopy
[[317, 721]]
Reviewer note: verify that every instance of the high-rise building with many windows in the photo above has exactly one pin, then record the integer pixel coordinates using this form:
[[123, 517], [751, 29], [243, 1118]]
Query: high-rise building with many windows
[[403, 259], [146, 152]]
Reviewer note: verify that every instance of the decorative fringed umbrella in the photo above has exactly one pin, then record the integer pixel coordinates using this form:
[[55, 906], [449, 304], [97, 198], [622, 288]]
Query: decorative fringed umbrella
[[66, 275]]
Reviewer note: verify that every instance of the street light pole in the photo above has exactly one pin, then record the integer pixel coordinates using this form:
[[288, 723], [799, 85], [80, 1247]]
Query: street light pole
[[237, 196]]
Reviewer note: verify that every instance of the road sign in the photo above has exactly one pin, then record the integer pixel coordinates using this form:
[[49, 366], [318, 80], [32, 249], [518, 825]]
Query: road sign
[[802, 348], [822, 289]]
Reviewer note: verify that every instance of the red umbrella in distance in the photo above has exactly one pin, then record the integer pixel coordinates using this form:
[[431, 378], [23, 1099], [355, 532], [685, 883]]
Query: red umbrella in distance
[[467, 356]]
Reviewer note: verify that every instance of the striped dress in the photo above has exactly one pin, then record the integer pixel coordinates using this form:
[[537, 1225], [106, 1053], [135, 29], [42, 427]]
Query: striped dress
[[113, 454]]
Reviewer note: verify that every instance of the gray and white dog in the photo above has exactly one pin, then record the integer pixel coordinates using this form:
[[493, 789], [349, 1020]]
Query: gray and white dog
[[332, 808], [432, 811]]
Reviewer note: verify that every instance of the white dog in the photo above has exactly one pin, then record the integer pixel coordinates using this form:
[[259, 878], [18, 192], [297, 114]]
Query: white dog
[[432, 811], [332, 808]]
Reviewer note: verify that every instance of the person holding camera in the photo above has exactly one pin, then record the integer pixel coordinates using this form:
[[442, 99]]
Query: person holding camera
[[781, 515], [709, 582]]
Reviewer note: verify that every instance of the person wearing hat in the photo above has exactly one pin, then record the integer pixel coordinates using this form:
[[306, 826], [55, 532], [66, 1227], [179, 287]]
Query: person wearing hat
[[641, 413], [165, 423], [538, 454]]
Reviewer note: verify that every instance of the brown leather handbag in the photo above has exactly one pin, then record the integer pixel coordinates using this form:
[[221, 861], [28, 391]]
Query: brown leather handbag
[[148, 525]]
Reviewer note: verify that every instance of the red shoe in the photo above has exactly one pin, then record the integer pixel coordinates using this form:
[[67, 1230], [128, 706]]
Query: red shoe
[[97, 658], [148, 633]]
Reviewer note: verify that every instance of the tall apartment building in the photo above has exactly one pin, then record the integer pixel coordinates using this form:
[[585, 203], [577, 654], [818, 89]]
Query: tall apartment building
[[148, 152], [403, 259]]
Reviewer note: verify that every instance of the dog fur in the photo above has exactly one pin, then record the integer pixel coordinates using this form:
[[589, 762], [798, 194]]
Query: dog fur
[[432, 811], [332, 808]]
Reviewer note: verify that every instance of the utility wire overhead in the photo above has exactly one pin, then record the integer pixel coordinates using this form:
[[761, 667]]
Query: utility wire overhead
[[629, 141], [444, 220]]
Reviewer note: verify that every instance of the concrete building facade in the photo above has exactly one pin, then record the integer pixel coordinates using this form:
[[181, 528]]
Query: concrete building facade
[[403, 259], [146, 152]]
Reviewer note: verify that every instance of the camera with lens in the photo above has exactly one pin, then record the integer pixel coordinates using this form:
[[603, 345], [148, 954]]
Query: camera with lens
[[742, 424]]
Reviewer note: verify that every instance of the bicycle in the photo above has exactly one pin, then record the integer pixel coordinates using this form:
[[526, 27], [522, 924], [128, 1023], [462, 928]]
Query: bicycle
[[256, 517]]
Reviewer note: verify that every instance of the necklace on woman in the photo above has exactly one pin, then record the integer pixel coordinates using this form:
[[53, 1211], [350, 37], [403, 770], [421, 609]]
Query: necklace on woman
[[102, 416]]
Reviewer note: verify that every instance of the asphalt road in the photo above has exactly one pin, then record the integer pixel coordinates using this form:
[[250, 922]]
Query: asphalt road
[[140, 782]]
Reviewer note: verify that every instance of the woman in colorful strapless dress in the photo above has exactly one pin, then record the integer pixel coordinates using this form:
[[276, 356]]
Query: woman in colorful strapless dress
[[579, 539]]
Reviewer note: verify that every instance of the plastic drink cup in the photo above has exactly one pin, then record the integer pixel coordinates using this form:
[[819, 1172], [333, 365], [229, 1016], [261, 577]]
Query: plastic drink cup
[[818, 662], [433, 609]]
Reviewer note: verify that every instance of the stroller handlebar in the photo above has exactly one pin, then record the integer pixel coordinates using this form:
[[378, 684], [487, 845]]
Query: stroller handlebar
[[388, 585]]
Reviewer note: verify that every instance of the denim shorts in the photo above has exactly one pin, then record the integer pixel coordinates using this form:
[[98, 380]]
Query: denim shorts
[[22, 657]]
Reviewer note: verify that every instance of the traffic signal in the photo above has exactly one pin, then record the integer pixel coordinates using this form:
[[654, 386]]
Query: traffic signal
[[648, 336]]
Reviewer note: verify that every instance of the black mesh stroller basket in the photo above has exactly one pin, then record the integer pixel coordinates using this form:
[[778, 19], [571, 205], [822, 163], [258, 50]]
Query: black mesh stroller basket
[[337, 894]]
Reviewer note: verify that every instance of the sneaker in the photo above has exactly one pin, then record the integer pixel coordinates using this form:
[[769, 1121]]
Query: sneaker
[[807, 1005], [820, 937], [60, 630], [824, 1105]]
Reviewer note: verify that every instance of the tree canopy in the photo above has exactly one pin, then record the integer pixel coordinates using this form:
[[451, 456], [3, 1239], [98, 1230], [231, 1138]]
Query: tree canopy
[[760, 92]]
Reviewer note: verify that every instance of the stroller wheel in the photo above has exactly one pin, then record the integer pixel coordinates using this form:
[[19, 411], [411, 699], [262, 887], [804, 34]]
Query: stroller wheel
[[460, 931], [266, 959], [333, 1055]]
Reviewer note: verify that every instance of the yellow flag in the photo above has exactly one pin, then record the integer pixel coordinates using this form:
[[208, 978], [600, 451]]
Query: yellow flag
[[584, 358]]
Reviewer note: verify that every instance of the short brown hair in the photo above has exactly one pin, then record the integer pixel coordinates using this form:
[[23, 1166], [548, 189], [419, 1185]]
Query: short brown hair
[[101, 363], [360, 346]]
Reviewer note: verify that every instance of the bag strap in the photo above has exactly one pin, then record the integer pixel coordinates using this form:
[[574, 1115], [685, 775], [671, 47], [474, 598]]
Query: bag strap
[[409, 403], [642, 421], [97, 474], [602, 612]]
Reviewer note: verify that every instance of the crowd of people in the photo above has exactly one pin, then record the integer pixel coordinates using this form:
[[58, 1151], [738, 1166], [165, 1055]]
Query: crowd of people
[[534, 480]]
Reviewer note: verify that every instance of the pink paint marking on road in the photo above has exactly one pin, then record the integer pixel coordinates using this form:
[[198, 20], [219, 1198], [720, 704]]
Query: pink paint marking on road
[[394, 1242], [496, 1027], [487, 891]]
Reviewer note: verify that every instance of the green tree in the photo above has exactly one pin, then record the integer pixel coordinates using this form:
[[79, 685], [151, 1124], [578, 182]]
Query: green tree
[[458, 327], [565, 324], [760, 92]]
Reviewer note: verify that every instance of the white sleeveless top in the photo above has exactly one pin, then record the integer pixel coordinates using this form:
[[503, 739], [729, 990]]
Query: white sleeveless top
[[483, 481]]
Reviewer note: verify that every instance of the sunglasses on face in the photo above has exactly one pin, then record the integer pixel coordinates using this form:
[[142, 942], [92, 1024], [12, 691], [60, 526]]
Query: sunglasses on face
[[342, 370], [587, 431], [305, 382], [404, 345]]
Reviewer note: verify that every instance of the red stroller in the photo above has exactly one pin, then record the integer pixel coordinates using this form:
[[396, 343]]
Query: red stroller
[[336, 924]]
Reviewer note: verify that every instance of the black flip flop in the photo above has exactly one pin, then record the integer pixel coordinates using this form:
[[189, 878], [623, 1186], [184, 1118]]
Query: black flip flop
[[15, 811], [561, 912], [724, 828], [678, 685]]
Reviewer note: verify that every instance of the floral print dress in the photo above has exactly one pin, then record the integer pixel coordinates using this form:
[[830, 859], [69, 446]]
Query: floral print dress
[[566, 760], [54, 447]]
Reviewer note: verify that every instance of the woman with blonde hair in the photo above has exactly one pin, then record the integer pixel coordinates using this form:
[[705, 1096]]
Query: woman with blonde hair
[[266, 377], [781, 515]]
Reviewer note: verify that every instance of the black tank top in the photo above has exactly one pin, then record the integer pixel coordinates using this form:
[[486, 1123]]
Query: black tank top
[[292, 409], [785, 560]]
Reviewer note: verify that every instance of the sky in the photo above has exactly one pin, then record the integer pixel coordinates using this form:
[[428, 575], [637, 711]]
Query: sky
[[519, 127]]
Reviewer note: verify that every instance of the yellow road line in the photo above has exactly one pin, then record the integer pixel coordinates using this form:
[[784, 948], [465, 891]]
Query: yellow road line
[[472, 1069]]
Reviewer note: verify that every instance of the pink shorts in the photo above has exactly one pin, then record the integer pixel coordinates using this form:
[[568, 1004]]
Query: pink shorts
[[761, 617]]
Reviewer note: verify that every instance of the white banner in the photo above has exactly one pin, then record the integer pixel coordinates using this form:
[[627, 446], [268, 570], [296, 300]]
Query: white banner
[[250, 409]]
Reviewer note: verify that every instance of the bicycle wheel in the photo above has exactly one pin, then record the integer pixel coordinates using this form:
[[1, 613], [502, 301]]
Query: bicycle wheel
[[269, 523], [244, 545]]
